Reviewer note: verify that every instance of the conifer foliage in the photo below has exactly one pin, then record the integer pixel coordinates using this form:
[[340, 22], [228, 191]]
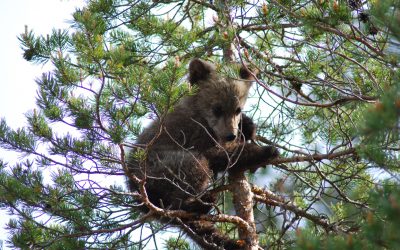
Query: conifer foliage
[[327, 94]]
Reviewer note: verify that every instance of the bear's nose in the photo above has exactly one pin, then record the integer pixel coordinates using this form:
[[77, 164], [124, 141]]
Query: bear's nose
[[230, 137]]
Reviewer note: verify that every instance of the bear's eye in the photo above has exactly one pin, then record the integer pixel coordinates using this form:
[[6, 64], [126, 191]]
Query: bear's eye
[[238, 111], [217, 111]]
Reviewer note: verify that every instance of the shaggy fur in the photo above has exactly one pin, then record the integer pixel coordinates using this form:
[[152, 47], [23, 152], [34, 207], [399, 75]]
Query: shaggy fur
[[205, 134]]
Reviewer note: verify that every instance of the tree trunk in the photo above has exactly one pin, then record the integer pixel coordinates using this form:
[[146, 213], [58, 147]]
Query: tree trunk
[[243, 204], [240, 188]]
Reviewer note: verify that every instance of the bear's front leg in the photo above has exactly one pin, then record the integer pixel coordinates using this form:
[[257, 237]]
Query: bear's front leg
[[247, 129], [240, 157]]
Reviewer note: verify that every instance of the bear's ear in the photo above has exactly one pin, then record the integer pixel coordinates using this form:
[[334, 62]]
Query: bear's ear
[[247, 73], [200, 70]]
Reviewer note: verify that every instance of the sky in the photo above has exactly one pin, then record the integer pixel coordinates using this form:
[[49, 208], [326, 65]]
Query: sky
[[17, 84]]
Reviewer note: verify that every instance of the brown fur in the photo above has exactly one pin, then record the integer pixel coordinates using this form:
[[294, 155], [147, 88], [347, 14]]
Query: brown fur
[[206, 133]]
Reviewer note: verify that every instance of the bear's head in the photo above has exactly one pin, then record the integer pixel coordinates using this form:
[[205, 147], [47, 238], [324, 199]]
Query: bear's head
[[220, 100]]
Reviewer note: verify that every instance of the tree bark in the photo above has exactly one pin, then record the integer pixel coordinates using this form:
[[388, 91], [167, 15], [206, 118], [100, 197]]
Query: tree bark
[[243, 204]]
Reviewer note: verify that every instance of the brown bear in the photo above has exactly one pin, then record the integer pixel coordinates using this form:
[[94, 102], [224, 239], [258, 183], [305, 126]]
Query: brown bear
[[206, 133]]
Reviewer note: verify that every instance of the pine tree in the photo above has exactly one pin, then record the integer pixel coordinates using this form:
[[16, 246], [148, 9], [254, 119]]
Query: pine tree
[[327, 95]]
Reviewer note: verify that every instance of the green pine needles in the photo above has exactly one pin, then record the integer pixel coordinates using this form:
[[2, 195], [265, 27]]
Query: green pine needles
[[326, 94]]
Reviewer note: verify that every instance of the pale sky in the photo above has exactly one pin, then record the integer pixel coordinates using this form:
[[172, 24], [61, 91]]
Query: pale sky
[[17, 84]]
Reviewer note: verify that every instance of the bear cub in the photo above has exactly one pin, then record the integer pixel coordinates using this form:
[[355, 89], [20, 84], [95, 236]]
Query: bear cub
[[206, 133]]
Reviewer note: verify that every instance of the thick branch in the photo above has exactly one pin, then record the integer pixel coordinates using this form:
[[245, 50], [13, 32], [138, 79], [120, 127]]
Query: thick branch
[[314, 157]]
